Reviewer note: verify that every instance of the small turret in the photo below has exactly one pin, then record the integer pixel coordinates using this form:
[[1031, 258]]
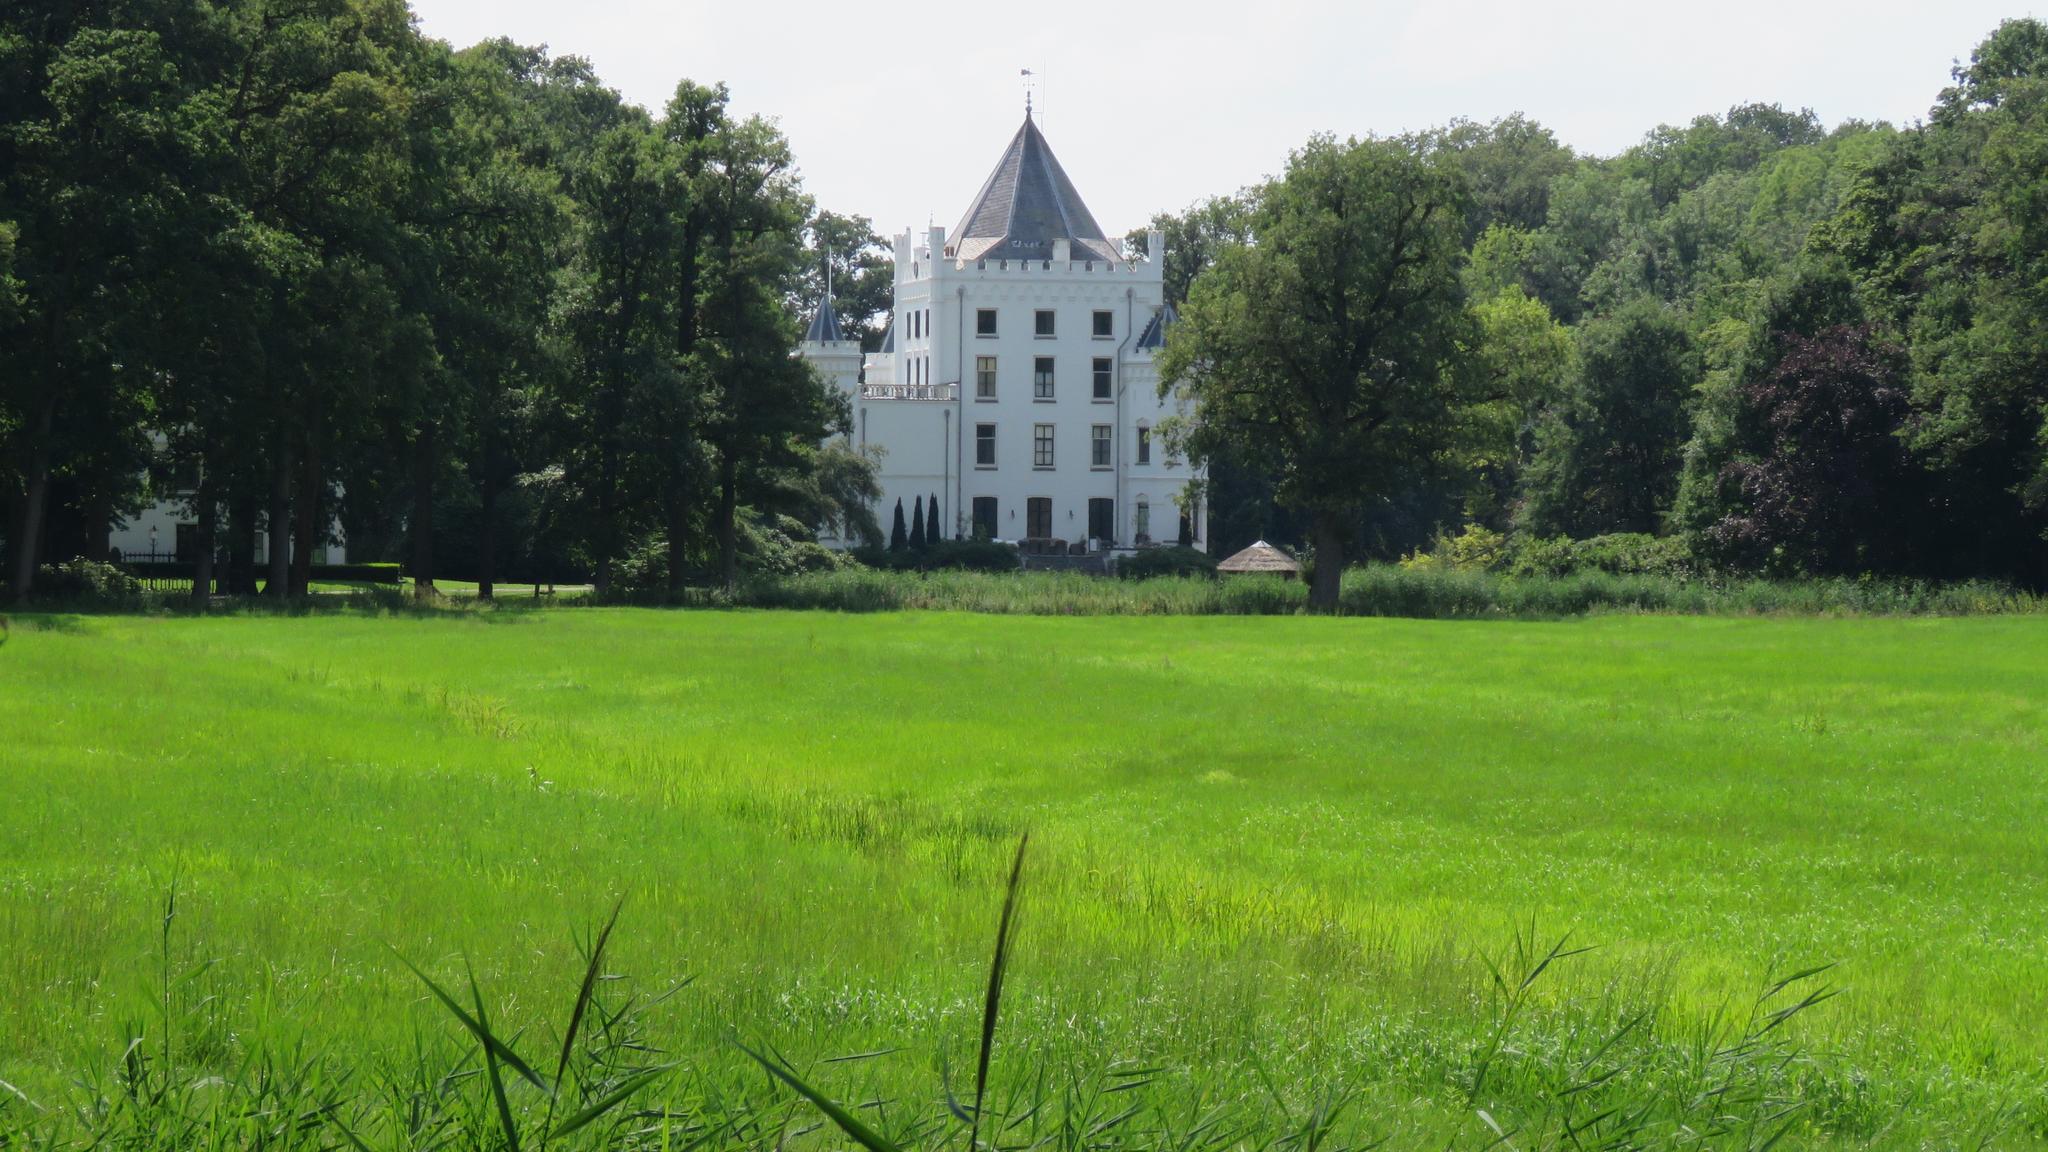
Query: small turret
[[826, 346]]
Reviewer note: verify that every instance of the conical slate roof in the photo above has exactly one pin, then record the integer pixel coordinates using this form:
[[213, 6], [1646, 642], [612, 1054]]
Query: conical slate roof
[[1026, 204], [1153, 337], [824, 323]]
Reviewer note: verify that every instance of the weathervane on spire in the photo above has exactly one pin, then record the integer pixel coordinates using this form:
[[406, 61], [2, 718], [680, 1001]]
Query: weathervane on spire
[[1030, 82]]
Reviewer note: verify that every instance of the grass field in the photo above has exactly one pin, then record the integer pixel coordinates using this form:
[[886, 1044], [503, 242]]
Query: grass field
[[1270, 857]]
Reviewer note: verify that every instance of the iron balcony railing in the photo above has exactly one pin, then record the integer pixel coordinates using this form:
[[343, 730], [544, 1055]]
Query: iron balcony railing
[[909, 391]]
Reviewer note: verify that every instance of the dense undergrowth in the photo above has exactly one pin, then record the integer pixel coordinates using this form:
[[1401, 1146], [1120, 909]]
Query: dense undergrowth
[[1426, 590], [1378, 590]]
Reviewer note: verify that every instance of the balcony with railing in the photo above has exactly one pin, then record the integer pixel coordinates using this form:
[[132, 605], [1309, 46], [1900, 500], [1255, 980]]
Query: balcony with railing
[[910, 391]]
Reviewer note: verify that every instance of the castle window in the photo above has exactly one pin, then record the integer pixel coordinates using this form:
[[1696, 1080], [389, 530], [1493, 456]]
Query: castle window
[[1038, 517], [1098, 446], [984, 377], [1142, 527], [984, 445], [1041, 378], [984, 517], [1043, 321], [1041, 446], [1105, 325], [984, 321], [1102, 378], [1144, 444]]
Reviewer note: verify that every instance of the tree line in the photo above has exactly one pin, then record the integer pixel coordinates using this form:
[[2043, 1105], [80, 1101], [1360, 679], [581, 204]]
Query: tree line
[[298, 264], [1778, 347]]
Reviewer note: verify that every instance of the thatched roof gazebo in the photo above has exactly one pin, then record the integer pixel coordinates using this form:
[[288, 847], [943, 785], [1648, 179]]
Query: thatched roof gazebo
[[1262, 557]]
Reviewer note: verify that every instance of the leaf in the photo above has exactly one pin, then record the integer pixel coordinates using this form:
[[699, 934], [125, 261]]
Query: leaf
[[995, 989], [867, 1137], [609, 1100], [476, 1028], [586, 991]]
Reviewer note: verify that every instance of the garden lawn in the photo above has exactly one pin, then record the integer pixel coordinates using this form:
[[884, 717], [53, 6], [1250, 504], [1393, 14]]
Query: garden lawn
[[1290, 839]]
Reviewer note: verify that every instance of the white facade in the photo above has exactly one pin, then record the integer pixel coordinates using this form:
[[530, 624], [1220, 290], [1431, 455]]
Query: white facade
[[1017, 387], [168, 527]]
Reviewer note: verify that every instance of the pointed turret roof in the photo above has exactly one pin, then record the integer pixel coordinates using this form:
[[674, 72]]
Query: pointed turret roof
[[1025, 205], [1153, 337], [824, 323]]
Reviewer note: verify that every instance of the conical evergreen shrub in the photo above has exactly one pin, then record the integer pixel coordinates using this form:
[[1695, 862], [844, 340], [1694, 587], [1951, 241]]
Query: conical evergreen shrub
[[899, 539], [917, 537]]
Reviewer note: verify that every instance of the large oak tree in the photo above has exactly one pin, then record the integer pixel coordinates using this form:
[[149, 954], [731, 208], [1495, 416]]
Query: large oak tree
[[1336, 341]]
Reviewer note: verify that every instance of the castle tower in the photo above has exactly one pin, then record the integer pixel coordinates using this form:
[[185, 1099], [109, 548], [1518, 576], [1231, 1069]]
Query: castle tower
[[825, 345], [1015, 386]]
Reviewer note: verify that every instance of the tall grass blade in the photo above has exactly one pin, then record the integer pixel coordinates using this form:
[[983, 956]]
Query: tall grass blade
[[491, 1068], [995, 989], [591, 971], [492, 1045], [609, 1100], [867, 1137]]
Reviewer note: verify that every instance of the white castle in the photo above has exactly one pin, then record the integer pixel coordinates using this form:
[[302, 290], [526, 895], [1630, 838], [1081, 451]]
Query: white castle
[[1015, 385]]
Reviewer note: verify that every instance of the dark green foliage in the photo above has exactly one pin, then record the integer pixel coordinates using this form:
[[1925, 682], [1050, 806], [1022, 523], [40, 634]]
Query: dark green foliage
[[343, 272], [1330, 347], [1607, 455], [1622, 554], [917, 536], [1177, 561], [899, 535]]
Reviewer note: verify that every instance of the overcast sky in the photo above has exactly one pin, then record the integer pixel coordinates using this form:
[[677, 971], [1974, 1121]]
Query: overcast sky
[[898, 109]]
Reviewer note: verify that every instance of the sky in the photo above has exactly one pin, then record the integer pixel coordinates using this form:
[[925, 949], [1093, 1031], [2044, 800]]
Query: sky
[[897, 109]]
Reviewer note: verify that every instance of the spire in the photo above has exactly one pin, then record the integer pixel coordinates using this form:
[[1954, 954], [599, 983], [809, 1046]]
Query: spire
[[1025, 205], [824, 327]]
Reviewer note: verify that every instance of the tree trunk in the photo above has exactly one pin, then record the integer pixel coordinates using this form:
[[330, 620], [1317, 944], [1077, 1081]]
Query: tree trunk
[[242, 546], [606, 537], [728, 527], [202, 564], [678, 542], [278, 582], [98, 511], [1330, 533], [311, 525], [37, 496], [423, 512], [487, 508]]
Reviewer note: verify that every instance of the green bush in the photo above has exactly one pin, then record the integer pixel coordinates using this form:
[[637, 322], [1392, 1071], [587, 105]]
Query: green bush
[[1620, 554], [945, 556], [1175, 561], [1476, 549], [89, 582]]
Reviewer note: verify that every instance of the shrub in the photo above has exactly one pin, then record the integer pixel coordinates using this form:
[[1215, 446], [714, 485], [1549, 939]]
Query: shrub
[[944, 556], [89, 581], [1176, 561], [1476, 549], [1620, 554]]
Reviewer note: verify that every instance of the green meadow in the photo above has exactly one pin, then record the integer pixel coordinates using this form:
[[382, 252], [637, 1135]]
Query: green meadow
[[1271, 859]]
